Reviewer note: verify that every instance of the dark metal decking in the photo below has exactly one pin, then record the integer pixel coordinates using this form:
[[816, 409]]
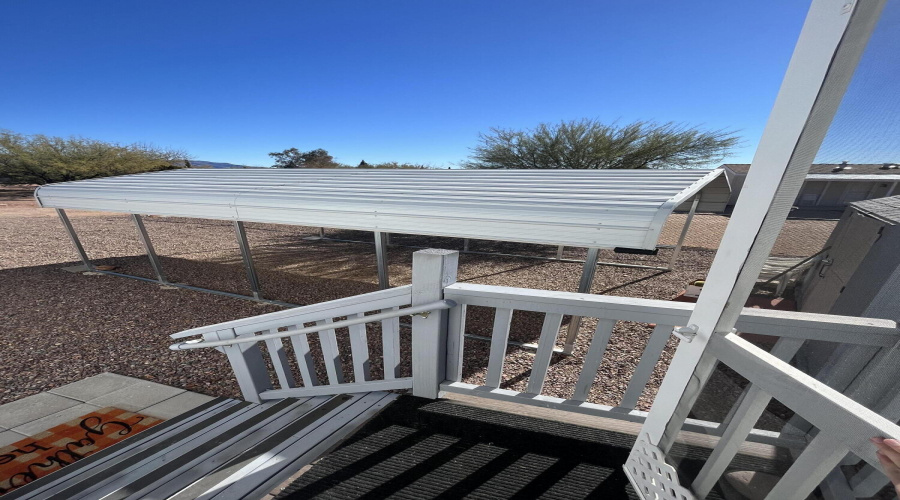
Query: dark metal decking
[[418, 448]]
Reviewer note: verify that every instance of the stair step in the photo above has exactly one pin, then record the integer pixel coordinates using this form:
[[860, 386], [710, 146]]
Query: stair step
[[222, 449]]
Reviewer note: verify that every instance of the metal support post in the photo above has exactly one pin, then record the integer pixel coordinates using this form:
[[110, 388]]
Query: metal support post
[[824, 191], [587, 279], [321, 232], [891, 190], [148, 247], [248, 260], [466, 245], [684, 231], [559, 252], [74, 237], [381, 260]]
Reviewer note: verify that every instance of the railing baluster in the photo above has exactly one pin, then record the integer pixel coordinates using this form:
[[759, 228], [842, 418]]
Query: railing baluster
[[549, 332], [328, 340], [820, 456], [359, 349], [456, 332], [305, 360], [745, 416], [280, 362], [644, 369], [390, 346], [499, 337], [247, 363], [593, 358]]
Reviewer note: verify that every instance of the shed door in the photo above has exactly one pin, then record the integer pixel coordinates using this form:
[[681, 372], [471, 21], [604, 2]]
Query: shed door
[[853, 240]]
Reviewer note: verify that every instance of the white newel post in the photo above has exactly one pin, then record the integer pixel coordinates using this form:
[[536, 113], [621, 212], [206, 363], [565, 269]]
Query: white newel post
[[246, 362], [432, 271]]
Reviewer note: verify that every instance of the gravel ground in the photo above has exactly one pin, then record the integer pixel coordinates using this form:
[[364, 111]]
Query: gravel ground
[[59, 327]]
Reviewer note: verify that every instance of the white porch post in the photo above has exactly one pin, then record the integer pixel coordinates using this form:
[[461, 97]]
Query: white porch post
[[432, 271], [817, 76]]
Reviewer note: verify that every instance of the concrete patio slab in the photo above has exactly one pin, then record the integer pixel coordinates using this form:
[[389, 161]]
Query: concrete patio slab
[[52, 420], [34, 414], [176, 405], [9, 437], [32, 408], [138, 396], [94, 387]]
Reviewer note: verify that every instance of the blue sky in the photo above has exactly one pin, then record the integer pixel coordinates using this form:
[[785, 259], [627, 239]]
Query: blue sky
[[409, 81]]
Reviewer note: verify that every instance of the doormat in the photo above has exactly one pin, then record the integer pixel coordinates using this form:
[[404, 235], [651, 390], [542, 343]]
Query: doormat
[[39, 455]]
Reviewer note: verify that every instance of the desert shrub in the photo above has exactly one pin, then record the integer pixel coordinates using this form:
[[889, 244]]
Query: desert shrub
[[40, 159], [590, 144]]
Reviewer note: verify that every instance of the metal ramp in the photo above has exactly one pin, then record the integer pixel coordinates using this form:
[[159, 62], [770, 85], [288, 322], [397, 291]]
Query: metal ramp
[[224, 449]]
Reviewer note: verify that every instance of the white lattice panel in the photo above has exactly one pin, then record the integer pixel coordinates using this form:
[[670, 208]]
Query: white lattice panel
[[651, 475]]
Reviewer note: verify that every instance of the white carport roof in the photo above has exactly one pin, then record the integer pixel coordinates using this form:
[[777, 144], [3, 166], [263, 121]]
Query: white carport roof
[[583, 208]]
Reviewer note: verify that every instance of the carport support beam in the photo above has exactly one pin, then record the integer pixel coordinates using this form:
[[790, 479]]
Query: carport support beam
[[74, 237], [381, 244], [248, 259], [587, 279], [148, 247], [684, 231]]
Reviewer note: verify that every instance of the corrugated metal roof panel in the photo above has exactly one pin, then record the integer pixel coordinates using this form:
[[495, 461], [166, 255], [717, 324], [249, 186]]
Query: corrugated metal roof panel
[[587, 208]]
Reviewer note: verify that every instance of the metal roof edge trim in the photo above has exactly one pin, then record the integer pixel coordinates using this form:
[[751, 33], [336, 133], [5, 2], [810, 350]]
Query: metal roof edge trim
[[666, 209]]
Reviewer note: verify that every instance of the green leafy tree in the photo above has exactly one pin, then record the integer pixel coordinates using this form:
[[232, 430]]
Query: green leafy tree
[[394, 164], [589, 144], [40, 159], [294, 158]]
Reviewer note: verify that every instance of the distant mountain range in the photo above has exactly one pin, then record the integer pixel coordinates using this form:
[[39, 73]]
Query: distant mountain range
[[217, 164]]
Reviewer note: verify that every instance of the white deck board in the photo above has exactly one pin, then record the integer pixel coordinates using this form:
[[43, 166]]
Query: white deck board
[[205, 453]]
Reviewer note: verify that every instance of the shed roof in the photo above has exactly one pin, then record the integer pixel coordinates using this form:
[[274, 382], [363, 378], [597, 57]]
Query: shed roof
[[588, 208], [886, 209], [833, 170]]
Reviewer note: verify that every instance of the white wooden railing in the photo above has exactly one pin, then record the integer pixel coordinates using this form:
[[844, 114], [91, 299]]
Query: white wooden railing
[[250, 342], [438, 307], [794, 328], [241, 340]]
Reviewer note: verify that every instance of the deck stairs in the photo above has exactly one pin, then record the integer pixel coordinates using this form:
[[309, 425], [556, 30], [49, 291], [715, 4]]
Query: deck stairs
[[223, 449]]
